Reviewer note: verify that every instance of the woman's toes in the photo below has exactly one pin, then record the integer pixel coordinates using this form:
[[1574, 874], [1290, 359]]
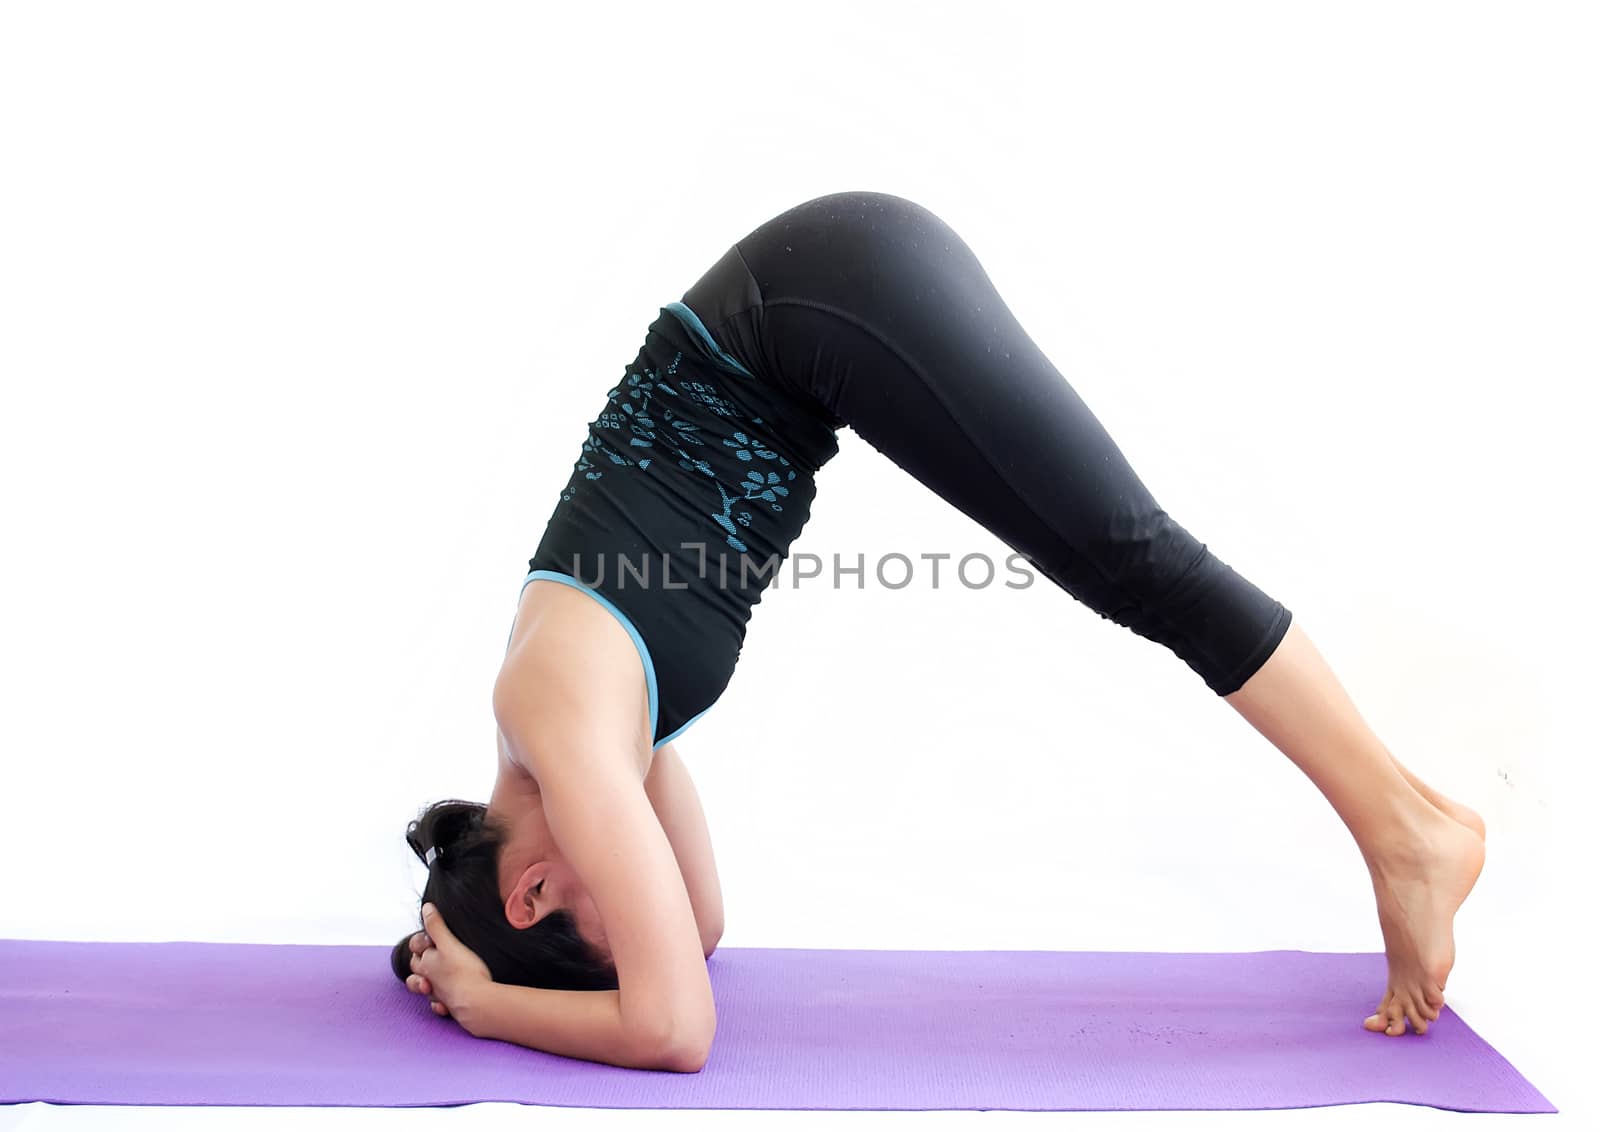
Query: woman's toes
[[1396, 1017], [1379, 1019], [1406, 1009]]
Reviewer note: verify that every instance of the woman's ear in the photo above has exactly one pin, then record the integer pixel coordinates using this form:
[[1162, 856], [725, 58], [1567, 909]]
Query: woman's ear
[[531, 898]]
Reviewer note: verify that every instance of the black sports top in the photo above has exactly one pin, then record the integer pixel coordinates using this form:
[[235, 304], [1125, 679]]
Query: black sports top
[[693, 481]]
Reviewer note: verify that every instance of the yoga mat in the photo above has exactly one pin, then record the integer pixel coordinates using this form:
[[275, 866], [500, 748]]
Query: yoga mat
[[297, 1024]]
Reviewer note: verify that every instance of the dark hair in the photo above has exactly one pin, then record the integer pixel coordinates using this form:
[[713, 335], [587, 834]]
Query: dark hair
[[463, 884]]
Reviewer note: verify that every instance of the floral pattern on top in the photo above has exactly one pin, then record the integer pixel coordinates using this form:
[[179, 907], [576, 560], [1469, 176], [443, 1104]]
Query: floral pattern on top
[[641, 427]]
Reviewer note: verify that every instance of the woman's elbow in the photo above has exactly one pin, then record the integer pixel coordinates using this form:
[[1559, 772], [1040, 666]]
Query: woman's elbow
[[688, 1060], [683, 1054]]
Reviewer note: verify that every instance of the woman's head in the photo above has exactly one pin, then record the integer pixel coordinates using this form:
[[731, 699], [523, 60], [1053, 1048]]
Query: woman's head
[[528, 938]]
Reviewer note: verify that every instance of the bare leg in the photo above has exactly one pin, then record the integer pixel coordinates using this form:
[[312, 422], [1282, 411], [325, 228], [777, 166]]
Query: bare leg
[[1466, 815], [1423, 861]]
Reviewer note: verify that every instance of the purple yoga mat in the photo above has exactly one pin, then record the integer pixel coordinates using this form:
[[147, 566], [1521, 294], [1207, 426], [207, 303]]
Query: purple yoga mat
[[267, 1024]]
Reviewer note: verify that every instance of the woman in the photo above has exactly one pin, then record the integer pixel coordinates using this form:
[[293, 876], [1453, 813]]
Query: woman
[[578, 907]]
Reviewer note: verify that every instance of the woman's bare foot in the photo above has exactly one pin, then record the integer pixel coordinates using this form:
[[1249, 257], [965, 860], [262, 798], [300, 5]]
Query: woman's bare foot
[[1423, 850], [1419, 885], [1466, 815]]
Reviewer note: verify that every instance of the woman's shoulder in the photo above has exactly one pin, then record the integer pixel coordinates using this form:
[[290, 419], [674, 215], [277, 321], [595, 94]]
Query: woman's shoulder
[[572, 678]]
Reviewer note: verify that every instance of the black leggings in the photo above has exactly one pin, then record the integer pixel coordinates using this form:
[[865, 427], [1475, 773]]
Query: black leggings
[[870, 308]]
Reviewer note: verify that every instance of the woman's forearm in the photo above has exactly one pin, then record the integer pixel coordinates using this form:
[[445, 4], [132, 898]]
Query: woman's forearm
[[583, 1024]]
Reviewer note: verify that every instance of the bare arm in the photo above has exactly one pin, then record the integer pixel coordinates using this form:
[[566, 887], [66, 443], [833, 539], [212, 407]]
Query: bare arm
[[582, 1024], [565, 727], [671, 791]]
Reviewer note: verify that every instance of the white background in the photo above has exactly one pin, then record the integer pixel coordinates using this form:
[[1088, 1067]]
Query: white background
[[304, 307]]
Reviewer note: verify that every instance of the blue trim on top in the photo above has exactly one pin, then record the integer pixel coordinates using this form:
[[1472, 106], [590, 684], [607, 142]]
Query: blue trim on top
[[682, 729], [622, 618], [698, 329]]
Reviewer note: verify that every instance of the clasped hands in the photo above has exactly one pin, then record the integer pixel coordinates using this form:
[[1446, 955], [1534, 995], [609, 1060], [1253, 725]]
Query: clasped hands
[[446, 970]]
